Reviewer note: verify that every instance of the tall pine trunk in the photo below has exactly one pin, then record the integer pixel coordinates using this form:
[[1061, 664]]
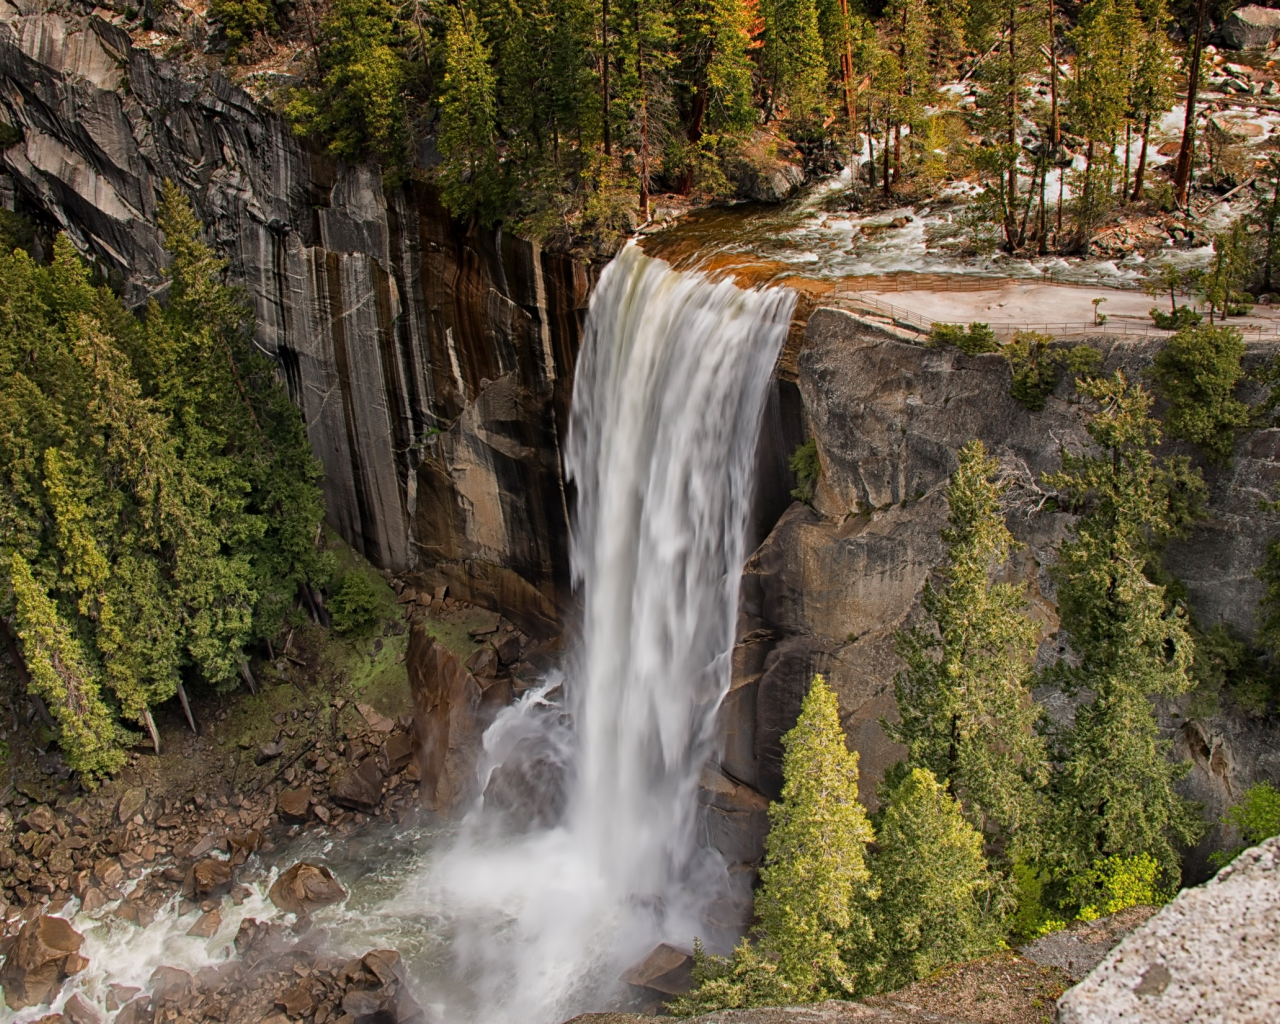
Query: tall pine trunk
[[1010, 212], [1142, 160], [1182, 175], [604, 73]]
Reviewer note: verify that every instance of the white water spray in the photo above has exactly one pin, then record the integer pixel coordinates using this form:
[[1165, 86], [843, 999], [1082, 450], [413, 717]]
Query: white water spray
[[667, 404]]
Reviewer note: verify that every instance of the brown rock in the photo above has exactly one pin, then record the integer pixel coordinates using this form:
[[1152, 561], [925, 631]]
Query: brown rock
[[206, 925], [447, 720], [398, 751], [243, 842], [359, 788], [92, 900], [363, 1002], [667, 970], [170, 984], [136, 1011], [36, 964], [74, 964], [375, 719], [207, 878], [305, 887], [295, 803], [131, 803], [508, 650], [484, 662], [268, 752], [108, 871], [119, 995], [298, 1000], [39, 819], [77, 1011], [382, 964]]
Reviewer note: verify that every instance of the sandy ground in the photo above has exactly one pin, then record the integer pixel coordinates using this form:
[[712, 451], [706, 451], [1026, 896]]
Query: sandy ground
[[1052, 307]]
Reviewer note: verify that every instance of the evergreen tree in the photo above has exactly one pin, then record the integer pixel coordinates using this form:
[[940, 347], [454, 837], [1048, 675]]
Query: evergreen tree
[[792, 62], [936, 903], [814, 876], [814, 854], [964, 697], [1113, 791], [470, 178], [161, 505], [1152, 93], [1198, 371], [359, 106]]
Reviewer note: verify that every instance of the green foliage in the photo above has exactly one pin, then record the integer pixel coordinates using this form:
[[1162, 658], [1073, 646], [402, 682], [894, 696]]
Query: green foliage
[[813, 877], [354, 604], [1227, 665], [805, 465], [792, 61], [242, 19], [16, 232], [1182, 317], [1222, 284], [1038, 365], [964, 698], [977, 339], [1034, 916], [1255, 817], [1113, 791], [471, 182], [936, 902], [160, 502], [814, 864], [1198, 371], [359, 106], [10, 135], [1115, 883], [746, 978]]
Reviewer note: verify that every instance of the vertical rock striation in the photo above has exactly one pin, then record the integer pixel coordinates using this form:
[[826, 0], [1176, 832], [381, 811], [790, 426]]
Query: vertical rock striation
[[430, 359]]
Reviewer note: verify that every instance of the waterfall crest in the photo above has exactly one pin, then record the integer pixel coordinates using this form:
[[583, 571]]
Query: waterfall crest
[[667, 404]]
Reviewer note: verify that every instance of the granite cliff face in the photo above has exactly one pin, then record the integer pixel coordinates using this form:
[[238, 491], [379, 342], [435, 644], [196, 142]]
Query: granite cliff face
[[830, 585], [430, 359]]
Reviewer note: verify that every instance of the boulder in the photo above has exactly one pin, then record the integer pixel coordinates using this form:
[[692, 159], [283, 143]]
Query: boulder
[[1210, 955], [136, 1011], [131, 803], [206, 878], [39, 819], [359, 788], [206, 925], [528, 790], [268, 752], [447, 723], [170, 984], [78, 1011], [297, 1000], [1081, 946], [306, 887], [397, 751], [1250, 27], [37, 962], [733, 818], [667, 970], [295, 803]]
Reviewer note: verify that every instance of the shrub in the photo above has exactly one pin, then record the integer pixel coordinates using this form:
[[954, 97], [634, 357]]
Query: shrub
[[242, 18], [805, 465], [354, 605], [1182, 316], [1117, 883], [1198, 370], [1038, 365], [975, 340], [1256, 817]]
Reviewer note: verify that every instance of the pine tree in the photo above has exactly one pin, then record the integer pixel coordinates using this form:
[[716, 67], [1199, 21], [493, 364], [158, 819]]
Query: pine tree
[[1113, 790], [1199, 371], [964, 697], [814, 876], [470, 176], [792, 63], [1152, 93], [935, 901], [814, 863], [60, 674]]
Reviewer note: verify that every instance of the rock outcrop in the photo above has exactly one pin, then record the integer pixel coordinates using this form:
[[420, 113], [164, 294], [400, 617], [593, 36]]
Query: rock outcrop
[[430, 359], [1250, 27], [1208, 955], [830, 585]]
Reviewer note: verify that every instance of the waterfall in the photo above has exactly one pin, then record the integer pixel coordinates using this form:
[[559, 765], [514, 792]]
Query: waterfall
[[666, 408]]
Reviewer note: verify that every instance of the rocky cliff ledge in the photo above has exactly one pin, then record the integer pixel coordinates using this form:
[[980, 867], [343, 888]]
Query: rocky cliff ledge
[[830, 585], [430, 359]]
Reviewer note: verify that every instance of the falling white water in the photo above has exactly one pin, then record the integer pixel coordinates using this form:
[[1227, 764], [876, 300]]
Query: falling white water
[[533, 920], [667, 404]]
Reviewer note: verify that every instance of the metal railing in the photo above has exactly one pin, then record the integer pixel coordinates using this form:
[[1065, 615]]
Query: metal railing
[[1121, 326]]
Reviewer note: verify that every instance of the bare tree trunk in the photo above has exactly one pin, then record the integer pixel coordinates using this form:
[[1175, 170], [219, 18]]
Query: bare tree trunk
[[186, 708], [1182, 175], [871, 146], [150, 723], [1055, 125], [1142, 161], [1128, 143], [604, 41], [1010, 213], [246, 673]]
